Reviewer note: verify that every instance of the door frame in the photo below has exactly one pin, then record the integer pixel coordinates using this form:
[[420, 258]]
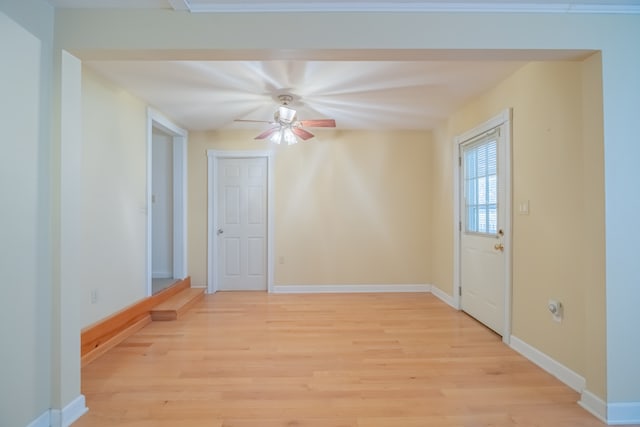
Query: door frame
[[503, 118], [158, 121], [213, 157]]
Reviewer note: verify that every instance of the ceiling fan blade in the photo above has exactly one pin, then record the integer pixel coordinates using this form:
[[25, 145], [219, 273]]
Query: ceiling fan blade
[[252, 121], [267, 133], [319, 123], [301, 133]]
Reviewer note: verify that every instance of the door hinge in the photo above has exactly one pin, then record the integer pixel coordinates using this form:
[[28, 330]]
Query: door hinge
[[459, 225], [460, 290], [459, 161]]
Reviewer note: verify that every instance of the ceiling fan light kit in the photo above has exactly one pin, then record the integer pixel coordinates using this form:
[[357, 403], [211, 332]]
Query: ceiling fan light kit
[[287, 126], [284, 135]]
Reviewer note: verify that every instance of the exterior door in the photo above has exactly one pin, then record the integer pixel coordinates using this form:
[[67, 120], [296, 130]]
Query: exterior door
[[242, 224], [482, 234]]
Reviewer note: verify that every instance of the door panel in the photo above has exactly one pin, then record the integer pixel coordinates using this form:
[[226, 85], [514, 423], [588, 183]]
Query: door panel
[[232, 205], [255, 209], [232, 259], [481, 276], [255, 262], [242, 228]]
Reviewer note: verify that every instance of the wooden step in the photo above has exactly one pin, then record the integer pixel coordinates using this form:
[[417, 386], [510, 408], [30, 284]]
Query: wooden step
[[177, 305]]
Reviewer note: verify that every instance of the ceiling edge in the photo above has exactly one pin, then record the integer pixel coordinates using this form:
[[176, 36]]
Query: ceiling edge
[[460, 6]]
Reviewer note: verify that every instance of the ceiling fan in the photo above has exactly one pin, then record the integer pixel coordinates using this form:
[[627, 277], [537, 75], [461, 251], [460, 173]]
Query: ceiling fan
[[287, 128]]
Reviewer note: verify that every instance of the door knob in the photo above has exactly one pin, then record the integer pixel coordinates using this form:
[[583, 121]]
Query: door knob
[[220, 231], [498, 247]]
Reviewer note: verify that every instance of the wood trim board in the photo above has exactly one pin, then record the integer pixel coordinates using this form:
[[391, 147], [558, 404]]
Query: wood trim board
[[99, 337]]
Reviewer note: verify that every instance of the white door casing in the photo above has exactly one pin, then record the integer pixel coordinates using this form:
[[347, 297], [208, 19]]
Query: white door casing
[[240, 221], [482, 259]]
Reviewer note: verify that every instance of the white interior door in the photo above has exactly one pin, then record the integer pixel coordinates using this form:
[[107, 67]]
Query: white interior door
[[482, 236], [242, 224]]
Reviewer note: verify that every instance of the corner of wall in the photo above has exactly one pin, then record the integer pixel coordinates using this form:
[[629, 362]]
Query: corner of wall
[[443, 296], [61, 417], [69, 414], [594, 405]]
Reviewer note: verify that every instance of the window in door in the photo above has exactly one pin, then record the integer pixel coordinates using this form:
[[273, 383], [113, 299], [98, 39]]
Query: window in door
[[481, 186]]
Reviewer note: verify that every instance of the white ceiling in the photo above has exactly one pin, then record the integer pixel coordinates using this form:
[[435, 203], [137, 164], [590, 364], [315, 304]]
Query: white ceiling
[[358, 94]]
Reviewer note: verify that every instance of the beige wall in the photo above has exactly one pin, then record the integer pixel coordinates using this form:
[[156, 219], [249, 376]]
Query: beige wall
[[441, 244], [350, 207], [113, 198], [558, 169]]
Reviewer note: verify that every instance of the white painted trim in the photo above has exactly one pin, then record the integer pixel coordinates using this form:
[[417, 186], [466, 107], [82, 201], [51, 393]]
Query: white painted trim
[[507, 240], [419, 6], [212, 249], [162, 122], [69, 414], [623, 413], [501, 119], [180, 205], [455, 161], [555, 368], [349, 289], [594, 405], [443, 296], [44, 420], [157, 120]]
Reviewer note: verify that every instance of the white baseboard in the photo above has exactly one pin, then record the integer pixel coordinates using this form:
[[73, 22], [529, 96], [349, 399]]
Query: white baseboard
[[61, 417], [623, 413], [443, 296], [593, 404], [550, 365], [69, 414], [43, 420], [342, 289]]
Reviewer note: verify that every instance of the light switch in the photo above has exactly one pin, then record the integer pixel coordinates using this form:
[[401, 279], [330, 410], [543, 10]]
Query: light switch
[[523, 208]]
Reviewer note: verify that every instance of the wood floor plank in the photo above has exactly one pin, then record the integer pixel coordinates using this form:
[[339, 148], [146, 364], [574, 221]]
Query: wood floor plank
[[253, 359]]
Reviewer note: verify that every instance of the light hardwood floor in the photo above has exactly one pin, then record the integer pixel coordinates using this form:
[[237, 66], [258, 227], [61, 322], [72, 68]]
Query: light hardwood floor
[[351, 360]]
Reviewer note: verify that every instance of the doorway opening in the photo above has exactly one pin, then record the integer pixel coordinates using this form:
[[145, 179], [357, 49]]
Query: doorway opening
[[166, 201]]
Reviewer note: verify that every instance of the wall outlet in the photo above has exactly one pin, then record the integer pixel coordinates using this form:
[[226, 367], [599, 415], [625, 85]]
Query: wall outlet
[[555, 308], [94, 296]]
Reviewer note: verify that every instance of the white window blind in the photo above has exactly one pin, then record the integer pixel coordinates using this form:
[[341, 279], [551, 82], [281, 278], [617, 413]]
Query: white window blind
[[481, 185]]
